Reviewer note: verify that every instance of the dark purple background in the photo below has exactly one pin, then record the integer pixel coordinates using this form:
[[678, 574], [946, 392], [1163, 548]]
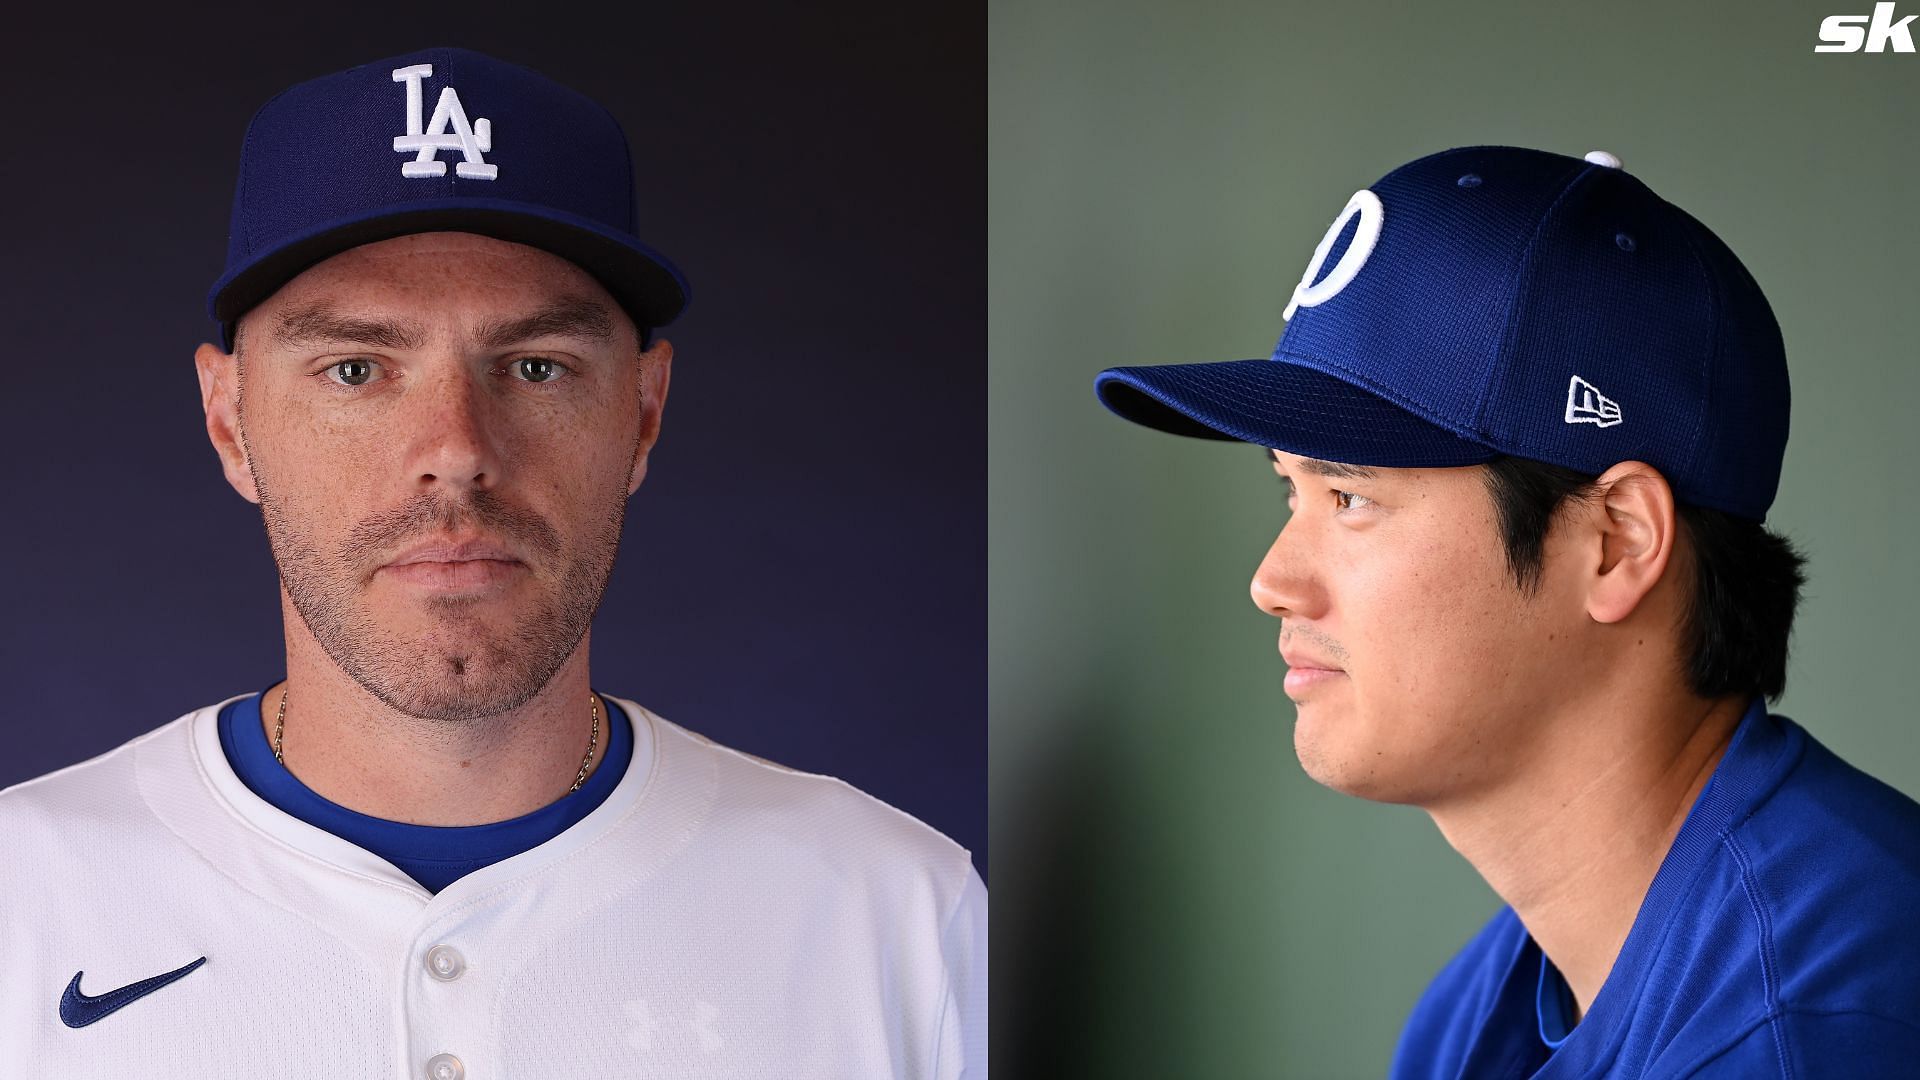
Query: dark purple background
[[803, 574]]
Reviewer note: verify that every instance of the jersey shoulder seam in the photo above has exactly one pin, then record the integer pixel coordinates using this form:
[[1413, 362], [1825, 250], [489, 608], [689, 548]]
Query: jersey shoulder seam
[[102, 758], [1772, 1019], [1769, 963], [946, 982], [966, 856]]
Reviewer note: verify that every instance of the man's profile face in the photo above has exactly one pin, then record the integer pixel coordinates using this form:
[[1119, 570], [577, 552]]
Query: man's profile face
[[477, 406], [1415, 660]]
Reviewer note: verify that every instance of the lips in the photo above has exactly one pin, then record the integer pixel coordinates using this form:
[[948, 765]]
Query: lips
[[1307, 671], [1301, 658], [1300, 681], [455, 566], [447, 551]]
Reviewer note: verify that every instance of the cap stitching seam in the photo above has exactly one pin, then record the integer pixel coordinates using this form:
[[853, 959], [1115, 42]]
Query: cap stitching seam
[[1502, 359], [1708, 278]]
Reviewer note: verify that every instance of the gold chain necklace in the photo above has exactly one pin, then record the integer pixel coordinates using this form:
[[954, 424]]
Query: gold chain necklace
[[593, 740]]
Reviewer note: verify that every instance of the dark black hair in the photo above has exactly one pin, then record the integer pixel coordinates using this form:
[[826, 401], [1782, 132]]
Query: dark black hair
[[1746, 579]]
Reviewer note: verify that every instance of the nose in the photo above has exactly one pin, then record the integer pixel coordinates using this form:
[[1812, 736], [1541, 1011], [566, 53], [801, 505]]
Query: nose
[[454, 431], [1283, 584]]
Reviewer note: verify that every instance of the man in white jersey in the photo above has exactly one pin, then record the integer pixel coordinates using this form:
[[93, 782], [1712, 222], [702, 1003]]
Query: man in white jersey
[[434, 850]]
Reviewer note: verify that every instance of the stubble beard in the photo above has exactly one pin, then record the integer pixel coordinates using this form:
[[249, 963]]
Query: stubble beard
[[466, 669]]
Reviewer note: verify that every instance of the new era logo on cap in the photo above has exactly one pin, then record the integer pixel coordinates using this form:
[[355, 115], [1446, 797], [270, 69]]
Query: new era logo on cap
[[1471, 304], [1587, 405]]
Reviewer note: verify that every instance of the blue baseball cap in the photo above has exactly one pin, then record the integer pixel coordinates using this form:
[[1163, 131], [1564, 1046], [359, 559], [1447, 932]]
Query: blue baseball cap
[[440, 139], [1495, 300]]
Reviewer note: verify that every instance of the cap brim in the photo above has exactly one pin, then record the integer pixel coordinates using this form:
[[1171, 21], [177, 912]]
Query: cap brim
[[1286, 406], [641, 280]]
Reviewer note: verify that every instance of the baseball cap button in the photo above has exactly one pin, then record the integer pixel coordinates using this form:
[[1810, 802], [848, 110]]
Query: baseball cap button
[[445, 963], [1601, 157]]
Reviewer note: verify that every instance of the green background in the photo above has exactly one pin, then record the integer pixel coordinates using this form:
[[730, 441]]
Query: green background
[[1173, 896]]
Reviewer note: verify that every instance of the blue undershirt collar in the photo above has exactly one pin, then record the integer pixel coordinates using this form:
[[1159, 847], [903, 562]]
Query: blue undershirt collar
[[433, 855], [1555, 1003]]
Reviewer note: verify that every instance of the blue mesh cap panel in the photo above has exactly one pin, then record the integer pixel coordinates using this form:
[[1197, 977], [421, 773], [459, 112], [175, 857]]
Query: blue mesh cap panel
[[1635, 324], [1422, 322], [1286, 406], [1744, 433], [1515, 302]]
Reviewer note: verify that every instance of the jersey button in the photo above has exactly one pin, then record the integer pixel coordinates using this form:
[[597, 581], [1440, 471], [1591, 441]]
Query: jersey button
[[445, 1067], [445, 963]]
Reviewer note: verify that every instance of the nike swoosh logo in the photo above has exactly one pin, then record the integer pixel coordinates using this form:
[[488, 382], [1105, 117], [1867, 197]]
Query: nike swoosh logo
[[79, 1010]]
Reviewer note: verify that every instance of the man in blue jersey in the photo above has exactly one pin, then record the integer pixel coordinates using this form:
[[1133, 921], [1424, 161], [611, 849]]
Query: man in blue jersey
[[1531, 417]]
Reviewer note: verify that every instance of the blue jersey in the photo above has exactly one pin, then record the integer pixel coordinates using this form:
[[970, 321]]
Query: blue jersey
[[1778, 939]]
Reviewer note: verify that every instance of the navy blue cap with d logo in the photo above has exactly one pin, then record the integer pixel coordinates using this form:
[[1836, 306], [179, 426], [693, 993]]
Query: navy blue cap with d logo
[[441, 139], [1495, 300]]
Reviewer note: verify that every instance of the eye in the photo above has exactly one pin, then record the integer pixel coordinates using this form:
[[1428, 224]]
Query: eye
[[1347, 500], [355, 372], [536, 369]]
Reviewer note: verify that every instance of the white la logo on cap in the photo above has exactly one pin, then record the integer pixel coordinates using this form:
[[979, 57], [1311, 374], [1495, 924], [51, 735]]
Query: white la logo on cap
[[448, 130], [1365, 235]]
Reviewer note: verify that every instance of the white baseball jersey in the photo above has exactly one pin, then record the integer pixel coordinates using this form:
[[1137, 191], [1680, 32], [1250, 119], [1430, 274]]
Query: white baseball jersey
[[716, 916]]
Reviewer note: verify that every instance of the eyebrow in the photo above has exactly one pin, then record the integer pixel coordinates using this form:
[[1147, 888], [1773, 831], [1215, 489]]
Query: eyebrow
[[1328, 468], [320, 323], [572, 316]]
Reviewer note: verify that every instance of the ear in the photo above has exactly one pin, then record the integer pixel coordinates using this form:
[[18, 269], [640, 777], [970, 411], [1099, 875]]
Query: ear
[[220, 398], [1637, 526], [656, 369]]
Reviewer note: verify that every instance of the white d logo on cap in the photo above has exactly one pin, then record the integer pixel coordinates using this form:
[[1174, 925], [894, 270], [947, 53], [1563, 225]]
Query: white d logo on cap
[[1307, 293]]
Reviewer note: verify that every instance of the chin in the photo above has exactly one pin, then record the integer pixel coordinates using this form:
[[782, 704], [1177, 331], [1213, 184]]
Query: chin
[[452, 673], [1361, 783], [454, 688], [1348, 769]]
